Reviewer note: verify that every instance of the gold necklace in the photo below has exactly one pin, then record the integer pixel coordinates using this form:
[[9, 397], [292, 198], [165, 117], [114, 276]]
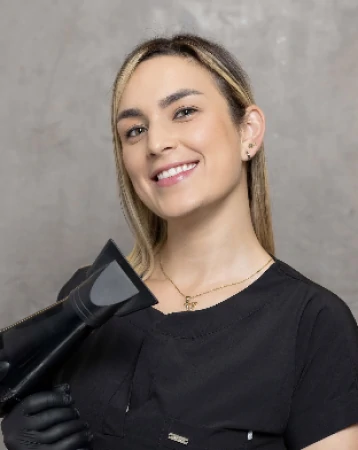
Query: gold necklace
[[190, 306]]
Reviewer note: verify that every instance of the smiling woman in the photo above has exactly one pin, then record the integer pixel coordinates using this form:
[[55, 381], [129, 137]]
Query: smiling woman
[[241, 351], [199, 106]]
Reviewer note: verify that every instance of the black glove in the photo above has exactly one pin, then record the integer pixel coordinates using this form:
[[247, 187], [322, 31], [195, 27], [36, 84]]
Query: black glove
[[46, 421]]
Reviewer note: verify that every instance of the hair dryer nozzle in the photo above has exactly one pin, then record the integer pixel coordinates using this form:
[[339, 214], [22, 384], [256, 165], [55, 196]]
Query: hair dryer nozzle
[[102, 294]]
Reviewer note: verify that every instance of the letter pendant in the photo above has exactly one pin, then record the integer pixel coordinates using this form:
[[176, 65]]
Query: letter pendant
[[189, 306]]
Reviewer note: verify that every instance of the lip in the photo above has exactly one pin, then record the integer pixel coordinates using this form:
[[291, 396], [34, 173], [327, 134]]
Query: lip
[[175, 179], [170, 166]]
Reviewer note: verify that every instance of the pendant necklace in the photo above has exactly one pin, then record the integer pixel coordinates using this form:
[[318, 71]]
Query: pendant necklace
[[190, 305]]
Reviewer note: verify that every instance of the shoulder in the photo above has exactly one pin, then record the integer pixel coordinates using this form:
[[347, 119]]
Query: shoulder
[[325, 320], [311, 294], [75, 280], [325, 372]]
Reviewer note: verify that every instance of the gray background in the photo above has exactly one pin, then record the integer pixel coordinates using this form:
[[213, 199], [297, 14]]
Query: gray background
[[58, 193]]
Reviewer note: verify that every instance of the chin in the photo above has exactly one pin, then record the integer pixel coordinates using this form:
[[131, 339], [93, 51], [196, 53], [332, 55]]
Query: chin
[[175, 211]]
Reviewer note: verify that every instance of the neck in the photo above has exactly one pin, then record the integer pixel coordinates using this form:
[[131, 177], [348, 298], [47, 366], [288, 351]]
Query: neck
[[215, 246]]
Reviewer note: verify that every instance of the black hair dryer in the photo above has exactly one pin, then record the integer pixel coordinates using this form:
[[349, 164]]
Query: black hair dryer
[[31, 348]]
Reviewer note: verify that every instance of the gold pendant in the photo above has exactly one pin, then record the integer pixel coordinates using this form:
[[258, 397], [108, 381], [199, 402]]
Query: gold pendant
[[189, 306]]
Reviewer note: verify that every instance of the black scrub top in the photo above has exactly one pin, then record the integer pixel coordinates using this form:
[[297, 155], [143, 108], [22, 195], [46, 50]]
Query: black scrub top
[[273, 367]]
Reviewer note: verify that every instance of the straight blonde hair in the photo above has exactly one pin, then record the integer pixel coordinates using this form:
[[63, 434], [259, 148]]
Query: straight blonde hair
[[149, 230]]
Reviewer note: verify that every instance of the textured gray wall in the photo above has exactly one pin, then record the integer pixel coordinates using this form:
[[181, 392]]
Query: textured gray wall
[[58, 193]]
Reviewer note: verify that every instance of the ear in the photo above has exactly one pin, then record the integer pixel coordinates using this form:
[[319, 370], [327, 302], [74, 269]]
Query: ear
[[252, 132]]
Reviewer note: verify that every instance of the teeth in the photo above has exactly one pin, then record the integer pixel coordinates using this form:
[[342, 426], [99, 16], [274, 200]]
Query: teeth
[[175, 170]]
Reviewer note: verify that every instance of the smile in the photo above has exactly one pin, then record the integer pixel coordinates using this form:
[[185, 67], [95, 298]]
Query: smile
[[175, 171], [175, 175]]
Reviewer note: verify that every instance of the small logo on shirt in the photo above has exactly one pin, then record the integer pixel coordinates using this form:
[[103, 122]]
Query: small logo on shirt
[[181, 439]]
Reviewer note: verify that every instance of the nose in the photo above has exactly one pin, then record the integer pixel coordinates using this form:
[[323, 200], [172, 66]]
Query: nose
[[160, 139]]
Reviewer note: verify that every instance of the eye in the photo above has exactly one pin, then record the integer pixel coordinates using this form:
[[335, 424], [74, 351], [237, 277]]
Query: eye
[[185, 112], [134, 132]]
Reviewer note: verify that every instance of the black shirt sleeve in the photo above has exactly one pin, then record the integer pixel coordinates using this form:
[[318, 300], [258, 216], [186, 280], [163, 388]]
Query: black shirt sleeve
[[325, 396]]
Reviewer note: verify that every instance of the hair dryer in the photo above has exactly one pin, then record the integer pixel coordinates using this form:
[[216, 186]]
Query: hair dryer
[[33, 347]]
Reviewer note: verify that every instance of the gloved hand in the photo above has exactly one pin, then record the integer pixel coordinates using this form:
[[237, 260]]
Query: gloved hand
[[46, 421]]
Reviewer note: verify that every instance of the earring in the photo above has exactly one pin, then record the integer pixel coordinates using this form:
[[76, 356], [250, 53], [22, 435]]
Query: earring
[[250, 146]]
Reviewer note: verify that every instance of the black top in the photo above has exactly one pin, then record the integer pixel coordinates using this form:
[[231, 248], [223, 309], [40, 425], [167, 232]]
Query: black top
[[273, 367]]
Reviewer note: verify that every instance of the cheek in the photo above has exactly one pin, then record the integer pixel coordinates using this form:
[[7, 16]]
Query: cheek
[[201, 133], [132, 164], [128, 166], [210, 133], [219, 145], [136, 170], [198, 137]]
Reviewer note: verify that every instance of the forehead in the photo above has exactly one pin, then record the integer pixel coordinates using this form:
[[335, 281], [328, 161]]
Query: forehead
[[162, 75]]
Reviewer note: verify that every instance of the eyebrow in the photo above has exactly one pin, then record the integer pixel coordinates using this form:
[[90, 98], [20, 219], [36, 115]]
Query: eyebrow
[[164, 103]]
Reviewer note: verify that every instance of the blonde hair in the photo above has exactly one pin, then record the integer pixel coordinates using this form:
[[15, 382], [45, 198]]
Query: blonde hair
[[149, 229]]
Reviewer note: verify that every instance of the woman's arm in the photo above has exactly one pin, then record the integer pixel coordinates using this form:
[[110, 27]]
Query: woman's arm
[[324, 405], [346, 439]]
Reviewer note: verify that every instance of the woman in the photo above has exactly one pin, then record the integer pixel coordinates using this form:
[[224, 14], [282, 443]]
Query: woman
[[242, 351]]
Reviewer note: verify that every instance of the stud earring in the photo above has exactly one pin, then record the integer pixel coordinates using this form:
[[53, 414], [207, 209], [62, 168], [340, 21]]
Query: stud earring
[[250, 146]]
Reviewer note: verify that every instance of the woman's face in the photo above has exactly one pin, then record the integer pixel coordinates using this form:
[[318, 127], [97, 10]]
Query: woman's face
[[181, 148]]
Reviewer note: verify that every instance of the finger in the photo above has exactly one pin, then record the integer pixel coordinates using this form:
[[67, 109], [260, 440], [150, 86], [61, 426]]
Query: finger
[[74, 442], [61, 431], [63, 387], [46, 419], [45, 400]]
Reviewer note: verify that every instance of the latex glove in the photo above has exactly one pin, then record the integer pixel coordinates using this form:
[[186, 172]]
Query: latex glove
[[46, 421]]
